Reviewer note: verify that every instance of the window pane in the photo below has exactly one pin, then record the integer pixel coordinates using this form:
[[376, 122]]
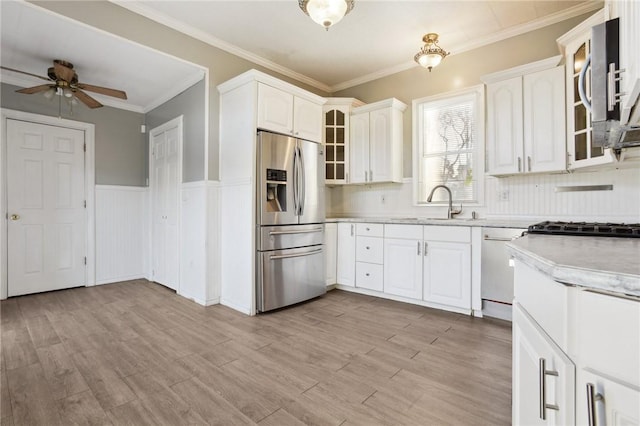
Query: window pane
[[448, 128], [454, 171], [329, 117]]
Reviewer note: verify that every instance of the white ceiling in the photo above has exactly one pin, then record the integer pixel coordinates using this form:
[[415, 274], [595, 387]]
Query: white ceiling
[[31, 37], [377, 38]]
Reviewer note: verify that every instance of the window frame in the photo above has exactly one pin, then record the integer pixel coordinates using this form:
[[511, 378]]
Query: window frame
[[478, 155]]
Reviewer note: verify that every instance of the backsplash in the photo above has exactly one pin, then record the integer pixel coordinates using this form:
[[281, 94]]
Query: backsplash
[[516, 197]]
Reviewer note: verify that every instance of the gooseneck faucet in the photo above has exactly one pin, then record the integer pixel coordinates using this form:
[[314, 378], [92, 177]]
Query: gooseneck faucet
[[451, 212]]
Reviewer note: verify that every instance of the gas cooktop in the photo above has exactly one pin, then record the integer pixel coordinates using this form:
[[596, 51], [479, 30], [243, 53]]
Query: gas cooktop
[[591, 229]]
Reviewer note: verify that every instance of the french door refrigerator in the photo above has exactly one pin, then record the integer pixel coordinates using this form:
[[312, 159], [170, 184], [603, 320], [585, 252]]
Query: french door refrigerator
[[290, 262]]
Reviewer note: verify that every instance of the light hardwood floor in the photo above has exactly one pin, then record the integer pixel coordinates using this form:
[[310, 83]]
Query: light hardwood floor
[[136, 353]]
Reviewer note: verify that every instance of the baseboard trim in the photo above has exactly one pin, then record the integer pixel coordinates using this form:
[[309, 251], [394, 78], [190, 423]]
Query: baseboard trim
[[120, 279]]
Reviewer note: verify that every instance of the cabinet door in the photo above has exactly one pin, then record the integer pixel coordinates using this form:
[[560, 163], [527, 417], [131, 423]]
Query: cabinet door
[[447, 273], [331, 251], [403, 267], [307, 120], [275, 109], [611, 403], [336, 143], [504, 127], [359, 148], [346, 261], [545, 146], [380, 153], [531, 345]]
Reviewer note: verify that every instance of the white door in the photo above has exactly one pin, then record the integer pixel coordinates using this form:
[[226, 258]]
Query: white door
[[504, 127], [380, 146], [331, 251], [346, 261], [275, 110], [166, 143], [46, 207], [447, 273], [359, 148], [403, 267], [307, 120], [611, 402]]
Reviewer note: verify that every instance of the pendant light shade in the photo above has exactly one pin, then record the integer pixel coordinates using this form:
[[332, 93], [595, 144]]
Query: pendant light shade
[[431, 54], [326, 12]]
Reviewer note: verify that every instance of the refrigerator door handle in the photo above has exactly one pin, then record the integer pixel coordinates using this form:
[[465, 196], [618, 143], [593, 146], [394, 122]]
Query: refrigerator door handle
[[302, 181], [295, 181]]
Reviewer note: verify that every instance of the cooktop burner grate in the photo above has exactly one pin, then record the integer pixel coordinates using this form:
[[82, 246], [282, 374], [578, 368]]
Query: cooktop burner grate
[[591, 229]]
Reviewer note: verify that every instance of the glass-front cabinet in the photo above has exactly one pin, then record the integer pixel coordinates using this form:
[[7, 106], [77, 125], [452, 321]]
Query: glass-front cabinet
[[337, 112], [580, 151]]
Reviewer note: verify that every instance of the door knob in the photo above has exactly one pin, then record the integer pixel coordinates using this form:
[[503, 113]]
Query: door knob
[[15, 217]]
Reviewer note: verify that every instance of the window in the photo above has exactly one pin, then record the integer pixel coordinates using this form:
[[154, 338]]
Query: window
[[448, 146]]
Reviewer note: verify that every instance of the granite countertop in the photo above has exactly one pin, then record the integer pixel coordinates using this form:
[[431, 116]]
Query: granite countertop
[[489, 223], [605, 263]]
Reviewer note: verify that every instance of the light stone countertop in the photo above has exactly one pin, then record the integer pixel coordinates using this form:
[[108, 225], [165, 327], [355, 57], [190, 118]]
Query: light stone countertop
[[489, 223], [605, 263]]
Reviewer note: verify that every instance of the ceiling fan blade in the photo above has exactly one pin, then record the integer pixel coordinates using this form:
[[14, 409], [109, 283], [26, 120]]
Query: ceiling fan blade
[[86, 99], [63, 72], [103, 90], [35, 89], [26, 73]]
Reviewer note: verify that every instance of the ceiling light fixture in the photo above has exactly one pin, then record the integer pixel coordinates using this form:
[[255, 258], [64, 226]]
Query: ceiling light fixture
[[326, 12], [431, 54]]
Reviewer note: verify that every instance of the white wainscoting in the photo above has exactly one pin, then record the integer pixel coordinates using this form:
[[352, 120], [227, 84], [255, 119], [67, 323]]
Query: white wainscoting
[[529, 197], [121, 233], [213, 242], [193, 241]]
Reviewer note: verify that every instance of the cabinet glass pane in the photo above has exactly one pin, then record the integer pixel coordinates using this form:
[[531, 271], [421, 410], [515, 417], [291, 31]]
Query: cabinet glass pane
[[329, 117], [329, 136], [580, 118], [581, 146], [339, 118], [339, 171], [330, 153], [329, 171], [579, 58], [339, 152], [576, 94], [340, 135]]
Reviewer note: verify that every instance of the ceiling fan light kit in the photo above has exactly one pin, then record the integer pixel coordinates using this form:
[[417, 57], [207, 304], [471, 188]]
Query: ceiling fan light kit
[[431, 54], [326, 12], [63, 81]]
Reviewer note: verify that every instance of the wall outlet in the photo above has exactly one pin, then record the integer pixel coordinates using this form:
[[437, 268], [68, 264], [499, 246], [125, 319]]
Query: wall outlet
[[503, 195]]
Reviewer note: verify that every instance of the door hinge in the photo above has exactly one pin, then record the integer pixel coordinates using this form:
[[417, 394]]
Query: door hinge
[[85, 260]]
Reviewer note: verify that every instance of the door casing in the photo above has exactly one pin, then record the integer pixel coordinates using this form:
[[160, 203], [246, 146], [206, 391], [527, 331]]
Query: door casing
[[89, 180]]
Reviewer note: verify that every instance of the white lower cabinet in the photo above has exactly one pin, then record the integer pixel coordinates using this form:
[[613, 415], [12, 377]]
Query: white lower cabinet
[[403, 267], [346, 257], [543, 376], [331, 251], [447, 273], [369, 256], [604, 401]]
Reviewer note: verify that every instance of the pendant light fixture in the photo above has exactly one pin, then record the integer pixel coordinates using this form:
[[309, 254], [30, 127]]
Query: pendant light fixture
[[431, 54], [326, 12]]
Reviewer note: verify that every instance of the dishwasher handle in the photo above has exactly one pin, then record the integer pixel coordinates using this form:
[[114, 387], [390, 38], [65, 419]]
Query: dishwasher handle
[[489, 238]]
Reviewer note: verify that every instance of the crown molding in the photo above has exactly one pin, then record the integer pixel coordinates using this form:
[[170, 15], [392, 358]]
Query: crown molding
[[563, 15], [140, 9]]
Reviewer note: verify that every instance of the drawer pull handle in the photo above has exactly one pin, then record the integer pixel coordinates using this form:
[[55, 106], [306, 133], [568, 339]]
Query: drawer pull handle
[[592, 397], [368, 229], [368, 247], [543, 373], [367, 274]]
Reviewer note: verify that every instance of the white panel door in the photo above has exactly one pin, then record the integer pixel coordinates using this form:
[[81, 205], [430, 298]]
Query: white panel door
[[359, 149], [447, 273], [165, 181], [614, 403], [331, 251], [346, 261], [275, 110], [545, 145], [504, 127], [380, 155], [307, 120], [403, 267], [46, 207]]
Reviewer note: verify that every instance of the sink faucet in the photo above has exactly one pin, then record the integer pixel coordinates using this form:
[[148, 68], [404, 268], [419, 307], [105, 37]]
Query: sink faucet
[[451, 212]]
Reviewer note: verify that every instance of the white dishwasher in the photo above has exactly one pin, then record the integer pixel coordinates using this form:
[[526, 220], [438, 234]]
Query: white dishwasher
[[496, 285]]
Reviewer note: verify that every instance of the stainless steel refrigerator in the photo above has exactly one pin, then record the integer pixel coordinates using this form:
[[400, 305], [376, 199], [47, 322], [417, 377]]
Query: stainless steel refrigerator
[[290, 260]]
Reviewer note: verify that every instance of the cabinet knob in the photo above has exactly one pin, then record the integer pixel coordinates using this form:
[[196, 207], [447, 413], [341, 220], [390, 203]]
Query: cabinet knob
[[367, 274], [367, 247]]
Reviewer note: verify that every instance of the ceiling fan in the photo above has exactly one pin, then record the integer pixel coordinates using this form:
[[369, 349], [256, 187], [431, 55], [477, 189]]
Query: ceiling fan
[[63, 80]]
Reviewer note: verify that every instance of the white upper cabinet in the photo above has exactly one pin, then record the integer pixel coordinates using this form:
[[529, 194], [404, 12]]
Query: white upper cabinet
[[283, 112], [526, 119], [375, 153], [337, 125], [544, 124]]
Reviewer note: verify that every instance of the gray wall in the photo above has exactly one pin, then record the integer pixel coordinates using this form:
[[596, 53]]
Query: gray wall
[[190, 104], [120, 147]]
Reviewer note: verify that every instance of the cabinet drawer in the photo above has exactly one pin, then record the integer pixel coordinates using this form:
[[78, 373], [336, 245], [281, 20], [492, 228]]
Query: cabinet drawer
[[369, 275], [608, 335], [545, 300], [369, 249], [407, 232], [370, 229], [449, 234]]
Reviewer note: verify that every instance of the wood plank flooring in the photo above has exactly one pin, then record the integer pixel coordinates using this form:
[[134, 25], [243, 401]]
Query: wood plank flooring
[[136, 353]]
